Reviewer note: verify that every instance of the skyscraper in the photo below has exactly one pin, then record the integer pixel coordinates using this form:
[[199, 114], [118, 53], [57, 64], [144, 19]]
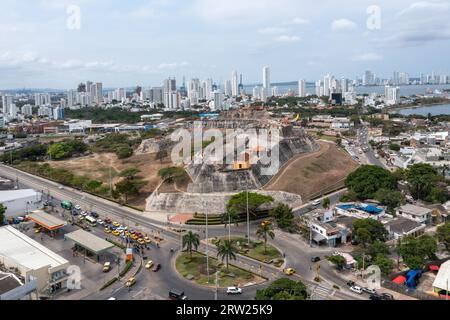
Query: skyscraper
[[301, 88], [6, 103], [98, 95], [234, 84], [266, 82], [327, 80], [227, 88]]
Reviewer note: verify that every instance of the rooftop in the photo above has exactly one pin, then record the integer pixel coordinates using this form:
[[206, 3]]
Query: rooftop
[[89, 241], [402, 225], [414, 210], [10, 195], [443, 277], [8, 282], [46, 220], [25, 251]]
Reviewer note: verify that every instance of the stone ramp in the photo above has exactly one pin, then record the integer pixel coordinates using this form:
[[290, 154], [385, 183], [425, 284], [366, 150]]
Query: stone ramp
[[214, 203]]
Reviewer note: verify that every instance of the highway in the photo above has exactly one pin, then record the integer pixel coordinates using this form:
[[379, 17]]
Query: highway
[[156, 285]]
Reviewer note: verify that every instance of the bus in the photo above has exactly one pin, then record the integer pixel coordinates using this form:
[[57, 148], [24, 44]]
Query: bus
[[66, 205], [92, 221]]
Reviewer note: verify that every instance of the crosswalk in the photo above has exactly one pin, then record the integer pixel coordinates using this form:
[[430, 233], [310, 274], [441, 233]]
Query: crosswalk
[[318, 292]]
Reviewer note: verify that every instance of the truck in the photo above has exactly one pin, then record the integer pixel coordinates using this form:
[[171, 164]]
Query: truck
[[176, 294]]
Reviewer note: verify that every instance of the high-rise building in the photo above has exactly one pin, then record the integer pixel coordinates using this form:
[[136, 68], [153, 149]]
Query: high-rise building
[[171, 100], [319, 88], [71, 98], [227, 88], [27, 110], [327, 80], [234, 84], [218, 100], [41, 99], [7, 101], [266, 82], [301, 88], [344, 85], [391, 95], [368, 78], [170, 85], [98, 94]]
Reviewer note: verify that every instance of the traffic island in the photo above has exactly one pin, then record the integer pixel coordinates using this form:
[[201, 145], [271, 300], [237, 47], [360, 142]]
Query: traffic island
[[195, 269], [256, 250]]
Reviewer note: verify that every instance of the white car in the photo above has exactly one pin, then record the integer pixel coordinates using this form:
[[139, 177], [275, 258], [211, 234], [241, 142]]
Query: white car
[[234, 290], [84, 213], [316, 202], [78, 207], [356, 289], [100, 221]]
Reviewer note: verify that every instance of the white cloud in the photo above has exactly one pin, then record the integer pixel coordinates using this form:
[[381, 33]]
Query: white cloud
[[172, 65], [343, 25], [287, 39], [296, 21], [370, 56], [273, 30]]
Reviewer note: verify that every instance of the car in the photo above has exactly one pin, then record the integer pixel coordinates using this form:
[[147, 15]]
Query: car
[[60, 187], [147, 240], [116, 224], [375, 296], [38, 230], [289, 271], [116, 233], [369, 290], [107, 230], [387, 296], [350, 283], [316, 202], [78, 207], [100, 222], [234, 290], [156, 267], [149, 264], [107, 267], [141, 241], [84, 213], [134, 236], [112, 298], [130, 282], [95, 215], [315, 259], [356, 289]]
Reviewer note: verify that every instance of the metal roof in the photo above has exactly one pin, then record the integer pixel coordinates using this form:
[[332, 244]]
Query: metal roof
[[10, 195], [46, 220], [25, 251], [89, 241], [442, 280]]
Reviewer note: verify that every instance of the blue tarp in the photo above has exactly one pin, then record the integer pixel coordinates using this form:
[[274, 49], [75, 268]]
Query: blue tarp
[[363, 207], [412, 278]]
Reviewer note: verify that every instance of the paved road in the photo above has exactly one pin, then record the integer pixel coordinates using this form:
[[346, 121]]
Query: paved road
[[156, 285]]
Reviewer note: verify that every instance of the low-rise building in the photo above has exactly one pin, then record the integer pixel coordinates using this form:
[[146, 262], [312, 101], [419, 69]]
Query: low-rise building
[[400, 227], [20, 202], [415, 213], [442, 282], [31, 260]]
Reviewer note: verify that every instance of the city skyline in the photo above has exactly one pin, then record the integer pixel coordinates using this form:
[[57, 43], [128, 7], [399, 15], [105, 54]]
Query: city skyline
[[124, 46]]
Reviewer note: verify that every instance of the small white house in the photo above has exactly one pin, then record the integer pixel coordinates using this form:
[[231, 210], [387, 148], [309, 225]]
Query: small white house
[[415, 213]]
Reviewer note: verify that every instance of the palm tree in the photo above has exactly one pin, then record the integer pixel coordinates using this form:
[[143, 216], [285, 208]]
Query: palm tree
[[190, 241], [226, 250], [264, 231], [228, 218]]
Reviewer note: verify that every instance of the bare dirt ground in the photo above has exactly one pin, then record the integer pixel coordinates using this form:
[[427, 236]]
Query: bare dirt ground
[[314, 173], [99, 166]]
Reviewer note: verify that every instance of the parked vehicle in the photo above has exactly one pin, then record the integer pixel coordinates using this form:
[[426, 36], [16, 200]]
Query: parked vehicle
[[149, 264], [315, 259], [369, 290], [288, 271], [356, 289], [350, 283], [387, 296], [157, 267], [107, 267], [130, 282]]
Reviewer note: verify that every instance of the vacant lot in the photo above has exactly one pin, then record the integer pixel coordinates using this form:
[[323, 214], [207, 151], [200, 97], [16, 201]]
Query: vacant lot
[[312, 174], [102, 166]]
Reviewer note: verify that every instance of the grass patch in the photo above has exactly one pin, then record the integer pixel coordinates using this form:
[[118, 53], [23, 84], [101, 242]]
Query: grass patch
[[127, 268], [256, 251], [109, 283], [196, 268]]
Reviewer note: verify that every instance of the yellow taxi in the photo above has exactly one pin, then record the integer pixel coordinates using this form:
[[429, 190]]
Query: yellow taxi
[[147, 240], [149, 264], [134, 237], [130, 282], [107, 230], [141, 241], [38, 230], [116, 224], [289, 271], [116, 233]]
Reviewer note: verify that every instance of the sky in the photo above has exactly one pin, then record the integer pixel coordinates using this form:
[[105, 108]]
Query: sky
[[47, 44]]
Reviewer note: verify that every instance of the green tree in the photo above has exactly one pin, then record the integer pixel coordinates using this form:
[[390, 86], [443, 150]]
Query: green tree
[[367, 180], [443, 235], [128, 187], [326, 203], [124, 151], [283, 215], [226, 251], [338, 260], [373, 230], [384, 263], [363, 236], [390, 198], [93, 185], [377, 248], [394, 147], [172, 174], [422, 178], [129, 173], [238, 202], [2, 213], [191, 241], [283, 289], [58, 151], [230, 217], [264, 231], [416, 251]]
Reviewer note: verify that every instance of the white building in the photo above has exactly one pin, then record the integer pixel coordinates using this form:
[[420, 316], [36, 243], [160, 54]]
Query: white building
[[234, 84], [27, 110], [391, 95], [266, 82], [301, 88], [33, 260], [442, 281], [415, 213], [20, 202]]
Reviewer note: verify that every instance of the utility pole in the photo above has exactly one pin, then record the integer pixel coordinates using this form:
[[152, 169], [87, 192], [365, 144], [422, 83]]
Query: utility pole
[[217, 285], [207, 253], [110, 183], [248, 219]]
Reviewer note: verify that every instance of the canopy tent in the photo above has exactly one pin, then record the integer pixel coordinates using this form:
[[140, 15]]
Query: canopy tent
[[399, 280]]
